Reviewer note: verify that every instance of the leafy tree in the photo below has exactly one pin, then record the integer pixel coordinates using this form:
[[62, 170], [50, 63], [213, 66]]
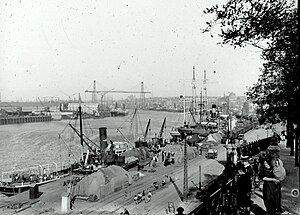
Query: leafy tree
[[271, 26]]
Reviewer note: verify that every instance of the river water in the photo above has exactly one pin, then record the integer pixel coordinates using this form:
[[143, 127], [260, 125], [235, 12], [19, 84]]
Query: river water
[[32, 144]]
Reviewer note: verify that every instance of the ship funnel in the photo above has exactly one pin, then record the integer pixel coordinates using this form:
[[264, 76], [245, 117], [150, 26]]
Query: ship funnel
[[103, 137]]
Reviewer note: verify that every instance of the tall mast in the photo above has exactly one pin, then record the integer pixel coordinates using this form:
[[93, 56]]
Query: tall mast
[[201, 105], [184, 114], [204, 91], [193, 92], [80, 124], [184, 111]]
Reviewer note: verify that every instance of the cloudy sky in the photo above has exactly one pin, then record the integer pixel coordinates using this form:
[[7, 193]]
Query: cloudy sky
[[57, 48]]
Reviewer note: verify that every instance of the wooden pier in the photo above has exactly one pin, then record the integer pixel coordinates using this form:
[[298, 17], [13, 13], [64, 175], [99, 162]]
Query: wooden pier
[[24, 119]]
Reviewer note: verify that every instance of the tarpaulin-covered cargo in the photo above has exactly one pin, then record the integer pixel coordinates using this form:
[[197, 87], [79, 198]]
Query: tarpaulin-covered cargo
[[142, 153], [103, 182], [214, 137]]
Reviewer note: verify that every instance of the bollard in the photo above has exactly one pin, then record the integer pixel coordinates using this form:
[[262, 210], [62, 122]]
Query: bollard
[[65, 203]]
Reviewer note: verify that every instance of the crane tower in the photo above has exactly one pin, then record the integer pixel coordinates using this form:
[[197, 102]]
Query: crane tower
[[94, 95], [143, 97]]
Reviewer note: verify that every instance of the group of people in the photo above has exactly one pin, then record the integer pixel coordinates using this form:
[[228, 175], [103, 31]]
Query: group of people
[[269, 169], [168, 157], [23, 178], [272, 172], [142, 197]]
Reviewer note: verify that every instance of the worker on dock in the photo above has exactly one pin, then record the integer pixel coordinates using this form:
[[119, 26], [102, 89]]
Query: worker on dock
[[135, 198], [126, 212], [148, 198], [139, 196], [172, 157], [163, 156], [143, 195]]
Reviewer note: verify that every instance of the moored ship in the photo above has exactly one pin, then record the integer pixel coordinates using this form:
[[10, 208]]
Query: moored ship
[[17, 181]]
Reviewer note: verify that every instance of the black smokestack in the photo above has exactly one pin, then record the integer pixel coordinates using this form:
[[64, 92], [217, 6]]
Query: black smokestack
[[103, 137]]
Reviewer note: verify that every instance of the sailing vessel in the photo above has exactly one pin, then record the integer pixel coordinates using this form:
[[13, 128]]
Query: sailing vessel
[[198, 129]]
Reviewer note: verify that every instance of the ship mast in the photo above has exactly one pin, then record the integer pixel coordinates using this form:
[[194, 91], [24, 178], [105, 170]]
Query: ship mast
[[205, 91], [80, 124], [193, 106], [201, 106]]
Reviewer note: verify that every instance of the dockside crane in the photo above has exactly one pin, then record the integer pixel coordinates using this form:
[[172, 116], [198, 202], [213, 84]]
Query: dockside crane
[[159, 139], [83, 140], [178, 191], [104, 92], [46, 108], [147, 129], [162, 128]]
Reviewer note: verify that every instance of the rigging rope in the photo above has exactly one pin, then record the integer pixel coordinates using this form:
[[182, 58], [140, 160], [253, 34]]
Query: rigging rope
[[69, 149], [65, 127]]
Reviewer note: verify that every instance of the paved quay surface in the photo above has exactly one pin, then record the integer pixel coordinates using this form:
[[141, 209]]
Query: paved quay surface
[[50, 200]]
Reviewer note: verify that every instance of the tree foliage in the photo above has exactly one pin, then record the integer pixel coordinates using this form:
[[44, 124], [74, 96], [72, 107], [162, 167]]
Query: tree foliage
[[271, 26]]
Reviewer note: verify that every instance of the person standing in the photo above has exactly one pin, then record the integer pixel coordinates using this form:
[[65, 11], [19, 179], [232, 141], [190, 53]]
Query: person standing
[[126, 212], [135, 198], [279, 174], [162, 156], [244, 184], [148, 198], [270, 186]]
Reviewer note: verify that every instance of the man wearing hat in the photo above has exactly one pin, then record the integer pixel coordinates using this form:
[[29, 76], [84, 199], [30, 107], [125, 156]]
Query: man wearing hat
[[244, 184], [278, 172]]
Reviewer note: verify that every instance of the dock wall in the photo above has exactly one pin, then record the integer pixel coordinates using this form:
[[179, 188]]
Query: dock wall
[[24, 119]]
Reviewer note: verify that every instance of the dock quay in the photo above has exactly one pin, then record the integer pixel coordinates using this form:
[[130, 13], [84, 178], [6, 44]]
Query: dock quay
[[24, 119]]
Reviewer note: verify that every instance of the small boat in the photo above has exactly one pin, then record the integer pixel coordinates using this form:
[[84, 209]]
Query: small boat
[[17, 181]]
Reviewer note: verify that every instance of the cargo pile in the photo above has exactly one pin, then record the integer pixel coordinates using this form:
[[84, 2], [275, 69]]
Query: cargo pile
[[103, 182]]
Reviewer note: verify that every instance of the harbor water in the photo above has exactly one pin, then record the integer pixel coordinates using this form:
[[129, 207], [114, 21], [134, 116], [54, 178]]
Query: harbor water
[[32, 144]]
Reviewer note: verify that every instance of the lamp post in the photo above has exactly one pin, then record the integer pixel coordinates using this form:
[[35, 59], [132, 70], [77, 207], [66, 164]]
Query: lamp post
[[183, 104]]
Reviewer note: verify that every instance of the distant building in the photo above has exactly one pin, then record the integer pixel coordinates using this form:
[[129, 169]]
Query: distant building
[[89, 108], [248, 108]]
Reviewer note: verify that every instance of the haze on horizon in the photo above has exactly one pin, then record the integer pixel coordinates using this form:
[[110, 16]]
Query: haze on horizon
[[58, 48]]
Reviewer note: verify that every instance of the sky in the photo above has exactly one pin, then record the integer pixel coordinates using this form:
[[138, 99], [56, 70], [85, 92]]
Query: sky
[[58, 48]]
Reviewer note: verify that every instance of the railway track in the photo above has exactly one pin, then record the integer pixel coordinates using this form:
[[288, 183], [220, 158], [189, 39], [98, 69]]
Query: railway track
[[118, 200], [119, 197]]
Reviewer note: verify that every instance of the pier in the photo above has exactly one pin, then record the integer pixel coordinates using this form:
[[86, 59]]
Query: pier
[[24, 119]]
